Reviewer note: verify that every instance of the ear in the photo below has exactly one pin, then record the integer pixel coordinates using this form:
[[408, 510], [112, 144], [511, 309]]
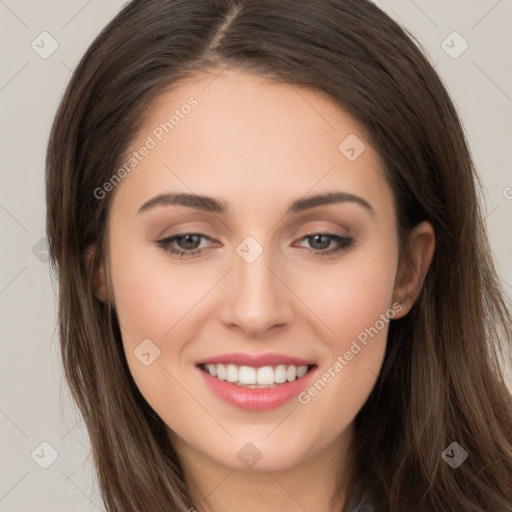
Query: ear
[[99, 276], [413, 266]]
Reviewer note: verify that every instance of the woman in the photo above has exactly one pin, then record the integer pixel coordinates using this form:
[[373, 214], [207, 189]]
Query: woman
[[330, 338]]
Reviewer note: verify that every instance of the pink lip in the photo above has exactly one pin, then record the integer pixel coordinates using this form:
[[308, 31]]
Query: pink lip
[[254, 360], [257, 399]]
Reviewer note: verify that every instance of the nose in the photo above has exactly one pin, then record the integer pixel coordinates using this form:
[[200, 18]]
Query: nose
[[257, 300]]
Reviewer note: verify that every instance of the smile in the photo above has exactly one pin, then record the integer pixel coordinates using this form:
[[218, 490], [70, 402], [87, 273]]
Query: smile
[[256, 378], [256, 382]]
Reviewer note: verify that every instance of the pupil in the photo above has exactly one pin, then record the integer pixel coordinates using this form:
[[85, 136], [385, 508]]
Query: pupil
[[189, 239], [326, 238]]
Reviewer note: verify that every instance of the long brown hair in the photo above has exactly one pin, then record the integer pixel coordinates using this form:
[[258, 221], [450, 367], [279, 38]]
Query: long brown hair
[[441, 380]]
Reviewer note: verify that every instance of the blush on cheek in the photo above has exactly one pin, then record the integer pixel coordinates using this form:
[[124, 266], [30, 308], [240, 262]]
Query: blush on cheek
[[353, 306], [359, 315], [148, 302]]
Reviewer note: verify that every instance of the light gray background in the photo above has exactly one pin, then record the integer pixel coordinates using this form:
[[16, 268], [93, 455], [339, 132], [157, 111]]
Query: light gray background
[[34, 403]]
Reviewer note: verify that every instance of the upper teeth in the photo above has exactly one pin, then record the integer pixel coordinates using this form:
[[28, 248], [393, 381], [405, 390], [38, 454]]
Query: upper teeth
[[265, 375]]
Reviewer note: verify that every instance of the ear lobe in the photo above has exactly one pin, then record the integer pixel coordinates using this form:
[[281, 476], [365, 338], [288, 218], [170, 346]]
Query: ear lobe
[[99, 277], [414, 266]]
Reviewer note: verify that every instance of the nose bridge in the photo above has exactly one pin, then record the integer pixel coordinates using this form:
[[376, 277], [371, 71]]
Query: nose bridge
[[256, 298]]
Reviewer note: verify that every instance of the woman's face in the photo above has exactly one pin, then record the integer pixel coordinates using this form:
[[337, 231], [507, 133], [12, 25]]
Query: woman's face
[[263, 284]]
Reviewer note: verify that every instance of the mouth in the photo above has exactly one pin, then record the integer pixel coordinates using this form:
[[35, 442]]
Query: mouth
[[265, 386], [251, 377]]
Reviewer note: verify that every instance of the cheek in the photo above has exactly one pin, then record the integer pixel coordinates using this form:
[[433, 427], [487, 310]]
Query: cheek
[[151, 303], [353, 295], [150, 296], [356, 305], [157, 300]]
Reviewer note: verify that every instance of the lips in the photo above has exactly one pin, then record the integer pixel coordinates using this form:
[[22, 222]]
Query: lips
[[255, 397]]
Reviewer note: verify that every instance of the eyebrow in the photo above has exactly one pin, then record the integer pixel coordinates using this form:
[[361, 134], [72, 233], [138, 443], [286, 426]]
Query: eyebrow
[[212, 205]]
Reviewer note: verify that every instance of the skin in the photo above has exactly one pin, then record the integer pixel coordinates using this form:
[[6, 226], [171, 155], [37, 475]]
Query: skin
[[257, 146]]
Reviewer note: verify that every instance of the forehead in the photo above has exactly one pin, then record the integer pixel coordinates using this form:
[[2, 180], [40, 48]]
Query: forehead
[[243, 135]]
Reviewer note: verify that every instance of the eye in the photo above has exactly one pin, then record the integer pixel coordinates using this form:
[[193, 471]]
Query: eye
[[322, 241], [189, 244]]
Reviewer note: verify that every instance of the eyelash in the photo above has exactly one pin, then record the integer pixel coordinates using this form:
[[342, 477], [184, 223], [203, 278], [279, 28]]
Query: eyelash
[[345, 243]]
